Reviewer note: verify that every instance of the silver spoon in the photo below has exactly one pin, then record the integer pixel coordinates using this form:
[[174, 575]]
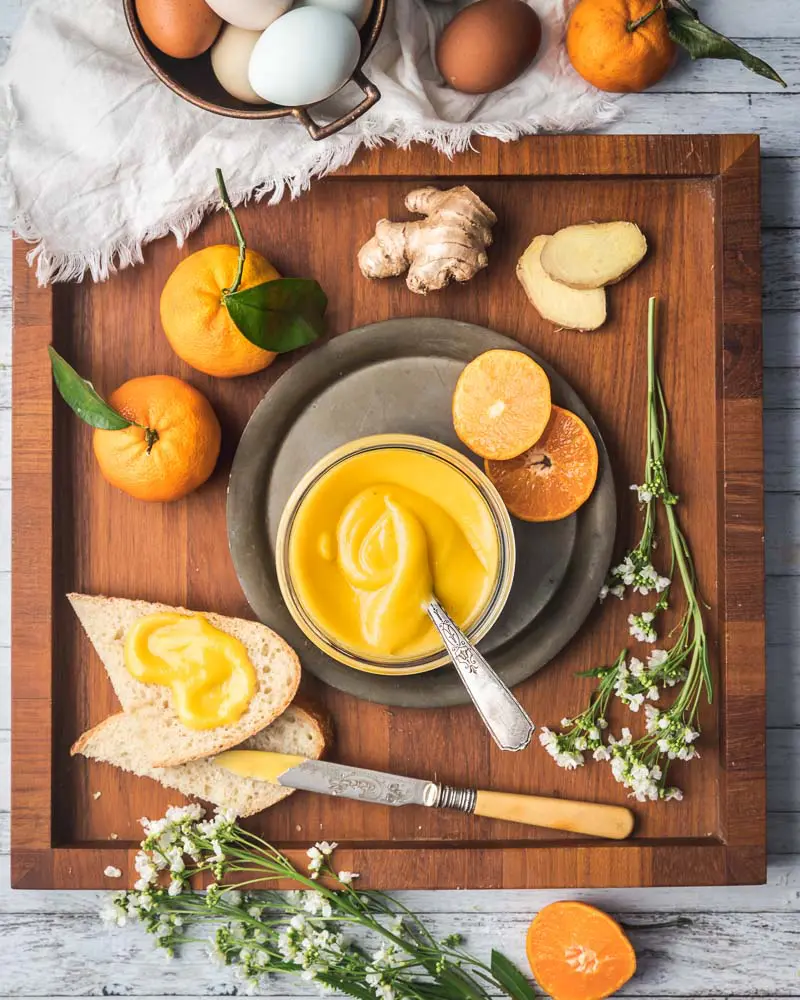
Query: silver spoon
[[504, 717]]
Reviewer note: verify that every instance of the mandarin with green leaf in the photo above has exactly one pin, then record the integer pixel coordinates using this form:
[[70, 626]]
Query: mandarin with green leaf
[[622, 46], [171, 444], [196, 319]]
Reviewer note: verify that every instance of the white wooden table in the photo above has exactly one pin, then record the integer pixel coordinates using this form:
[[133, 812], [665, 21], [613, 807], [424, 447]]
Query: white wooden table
[[736, 942]]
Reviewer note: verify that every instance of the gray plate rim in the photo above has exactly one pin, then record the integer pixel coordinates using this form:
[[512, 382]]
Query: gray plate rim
[[251, 551]]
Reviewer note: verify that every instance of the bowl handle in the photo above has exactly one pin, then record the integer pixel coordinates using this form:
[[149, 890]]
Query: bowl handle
[[371, 96]]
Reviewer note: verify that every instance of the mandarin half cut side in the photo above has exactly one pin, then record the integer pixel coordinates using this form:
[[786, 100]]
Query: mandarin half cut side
[[577, 952], [501, 404], [555, 477]]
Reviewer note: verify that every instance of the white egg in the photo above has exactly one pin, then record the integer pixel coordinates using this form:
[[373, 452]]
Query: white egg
[[255, 15], [230, 59], [356, 10], [304, 57]]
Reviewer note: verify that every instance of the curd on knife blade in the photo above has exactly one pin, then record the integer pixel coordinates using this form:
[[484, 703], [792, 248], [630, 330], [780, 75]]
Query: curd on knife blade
[[377, 535]]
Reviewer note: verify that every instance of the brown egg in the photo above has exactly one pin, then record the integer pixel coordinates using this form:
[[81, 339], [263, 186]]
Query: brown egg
[[488, 44], [180, 28]]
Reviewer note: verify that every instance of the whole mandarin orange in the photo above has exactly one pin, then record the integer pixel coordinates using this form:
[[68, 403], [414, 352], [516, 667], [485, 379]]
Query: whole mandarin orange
[[172, 451], [622, 46], [197, 322]]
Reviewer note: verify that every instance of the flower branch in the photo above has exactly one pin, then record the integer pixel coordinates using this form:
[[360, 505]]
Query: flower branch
[[642, 764]]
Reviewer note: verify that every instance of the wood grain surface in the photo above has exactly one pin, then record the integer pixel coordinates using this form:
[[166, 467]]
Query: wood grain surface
[[697, 200]]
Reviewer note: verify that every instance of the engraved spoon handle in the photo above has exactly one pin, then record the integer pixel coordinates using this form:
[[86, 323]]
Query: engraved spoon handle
[[502, 714]]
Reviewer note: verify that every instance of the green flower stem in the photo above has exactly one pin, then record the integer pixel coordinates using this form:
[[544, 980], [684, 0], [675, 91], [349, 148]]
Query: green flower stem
[[226, 204]]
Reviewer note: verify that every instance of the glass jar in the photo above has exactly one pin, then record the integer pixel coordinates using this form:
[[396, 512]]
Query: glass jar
[[498, 592]]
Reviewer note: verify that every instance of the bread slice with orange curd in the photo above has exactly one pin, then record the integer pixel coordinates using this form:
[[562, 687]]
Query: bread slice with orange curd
[[169, 742], [123, 740]]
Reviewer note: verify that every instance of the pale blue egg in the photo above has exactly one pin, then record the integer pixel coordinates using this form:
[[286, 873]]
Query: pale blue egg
[[304, 56]]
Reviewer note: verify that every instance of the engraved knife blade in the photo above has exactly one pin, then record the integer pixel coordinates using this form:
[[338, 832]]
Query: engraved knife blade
[[328, 778]]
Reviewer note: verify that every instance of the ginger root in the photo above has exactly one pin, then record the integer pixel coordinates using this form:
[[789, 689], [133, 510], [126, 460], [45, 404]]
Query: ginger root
[[449, 244]]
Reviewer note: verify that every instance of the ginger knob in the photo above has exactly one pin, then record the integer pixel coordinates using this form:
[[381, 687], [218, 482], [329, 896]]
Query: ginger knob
[[449, 244]]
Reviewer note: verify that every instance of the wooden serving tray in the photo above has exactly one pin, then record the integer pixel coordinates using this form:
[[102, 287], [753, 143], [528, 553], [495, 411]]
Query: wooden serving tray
[[697, 199]]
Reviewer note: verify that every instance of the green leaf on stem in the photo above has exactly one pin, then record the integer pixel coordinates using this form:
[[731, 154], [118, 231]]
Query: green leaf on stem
[[82, 397], [510, 978], [279, 315], [349, 989], [701, 42]]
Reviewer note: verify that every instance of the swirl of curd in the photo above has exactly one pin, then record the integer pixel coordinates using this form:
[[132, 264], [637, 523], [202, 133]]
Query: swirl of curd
[[377, 536]]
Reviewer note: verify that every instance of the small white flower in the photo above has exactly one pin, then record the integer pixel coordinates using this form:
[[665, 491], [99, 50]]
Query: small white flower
[[618, 591], [175, 887], [566, 723], [346, 878], [645, 495], [298, 922], [673, 793], [326, 848], [594, 734], [602, 753], [653, 693], [112, 872]]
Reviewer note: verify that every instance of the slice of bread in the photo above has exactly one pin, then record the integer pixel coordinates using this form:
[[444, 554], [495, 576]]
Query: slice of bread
[[107, 620], [123, 740]]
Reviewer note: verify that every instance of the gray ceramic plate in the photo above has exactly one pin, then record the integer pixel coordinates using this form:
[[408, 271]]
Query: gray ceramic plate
[[399, 376]]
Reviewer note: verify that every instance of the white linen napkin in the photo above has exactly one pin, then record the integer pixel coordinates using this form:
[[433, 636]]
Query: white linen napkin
[[99, 157]]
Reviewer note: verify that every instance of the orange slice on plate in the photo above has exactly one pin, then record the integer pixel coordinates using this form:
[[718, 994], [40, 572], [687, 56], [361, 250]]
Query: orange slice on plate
[[552, 479], [501, 404], [577, 952]]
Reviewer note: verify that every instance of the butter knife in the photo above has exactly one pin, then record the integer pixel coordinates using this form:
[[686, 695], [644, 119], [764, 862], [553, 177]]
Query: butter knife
[[326, 778]]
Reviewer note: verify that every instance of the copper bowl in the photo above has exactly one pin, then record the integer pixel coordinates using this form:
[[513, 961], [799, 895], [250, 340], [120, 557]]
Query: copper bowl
[[194, 80]]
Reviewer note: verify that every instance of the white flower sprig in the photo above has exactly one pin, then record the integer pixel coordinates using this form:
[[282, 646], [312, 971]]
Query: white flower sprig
[[302, 932], [641, 765]]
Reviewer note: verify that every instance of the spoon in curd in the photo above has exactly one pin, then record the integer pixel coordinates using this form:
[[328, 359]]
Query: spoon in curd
[[504, 717]]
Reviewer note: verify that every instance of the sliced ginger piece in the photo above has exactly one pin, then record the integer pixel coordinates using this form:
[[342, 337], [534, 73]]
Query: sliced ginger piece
[[554, 477], [501, 404], [570, 308], [593, 255]]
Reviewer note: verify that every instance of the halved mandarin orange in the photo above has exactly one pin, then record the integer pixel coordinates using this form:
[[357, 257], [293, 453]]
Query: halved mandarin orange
[[501, 404], [555, 477], [577, 952]]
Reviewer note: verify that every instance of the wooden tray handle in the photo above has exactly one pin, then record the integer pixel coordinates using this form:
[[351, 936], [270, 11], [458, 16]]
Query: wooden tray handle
[[590, 818], [371, 96]]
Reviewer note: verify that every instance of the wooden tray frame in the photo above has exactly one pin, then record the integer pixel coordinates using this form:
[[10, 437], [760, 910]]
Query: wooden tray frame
[[739, 856]]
